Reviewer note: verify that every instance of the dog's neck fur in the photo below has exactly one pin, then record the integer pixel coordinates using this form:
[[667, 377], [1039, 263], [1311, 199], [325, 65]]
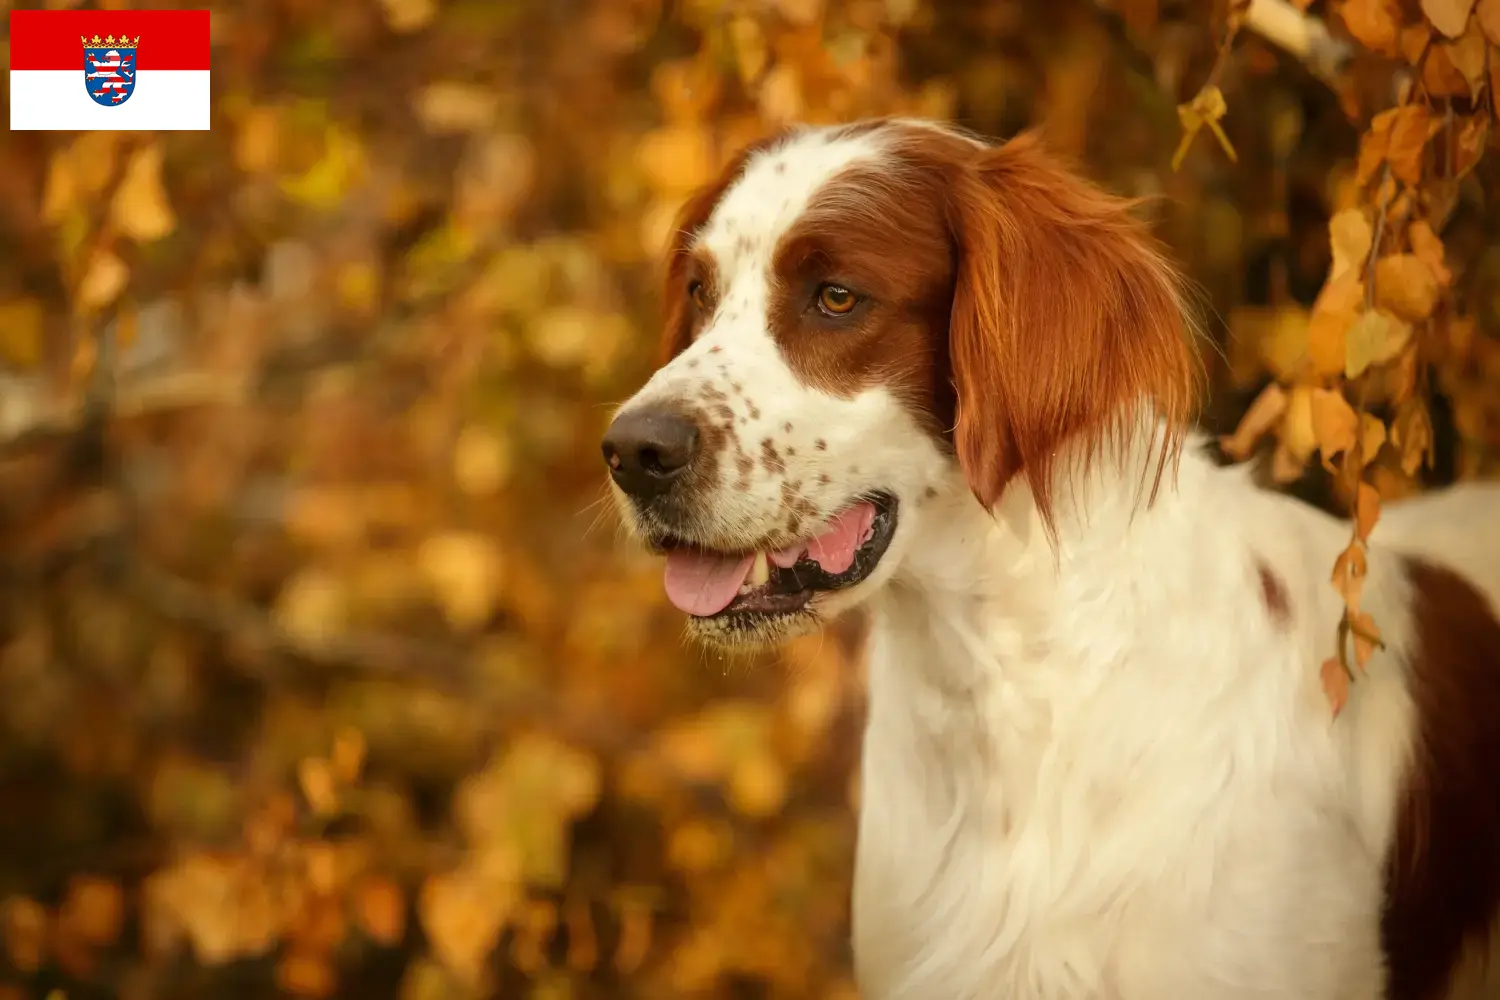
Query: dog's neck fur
[[1027, 730]]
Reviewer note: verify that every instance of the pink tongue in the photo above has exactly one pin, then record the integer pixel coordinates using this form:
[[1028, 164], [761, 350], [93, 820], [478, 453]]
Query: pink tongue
[[834, 549], [703, 583]]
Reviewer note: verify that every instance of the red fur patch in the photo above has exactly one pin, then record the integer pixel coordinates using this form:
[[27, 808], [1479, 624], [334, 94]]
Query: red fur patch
[[1065, 314], [1443, 887]]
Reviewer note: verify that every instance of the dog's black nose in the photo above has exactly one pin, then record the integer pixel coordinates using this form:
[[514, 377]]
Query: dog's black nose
[[647, 449]]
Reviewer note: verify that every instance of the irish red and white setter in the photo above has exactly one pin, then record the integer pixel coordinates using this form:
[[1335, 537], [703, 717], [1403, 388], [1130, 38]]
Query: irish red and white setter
[[951, 382]]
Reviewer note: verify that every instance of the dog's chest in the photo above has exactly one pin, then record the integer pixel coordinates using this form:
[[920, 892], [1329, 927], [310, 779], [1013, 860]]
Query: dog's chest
[[1014, 844], [975, 880]]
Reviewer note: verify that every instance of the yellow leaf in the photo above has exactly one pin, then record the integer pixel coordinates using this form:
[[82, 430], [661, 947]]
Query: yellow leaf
[[1283, 342], [463, 915], [315, 776], [257, 142], [1406, 287], [481, 461], [406, 16], [1371, 436], [21, 332], [313, 606], [1349, 234], [1428, 248], [140, 208], [1335, 684], [1468, 56], [448, 106], [463, 568], [325, 184], [102, 282], [676, 158], [1205, 110], [1334, 422], [1297, 433], [1375, 338], [757, 787], [1267, 410], [1333, 313], [1448, 16]]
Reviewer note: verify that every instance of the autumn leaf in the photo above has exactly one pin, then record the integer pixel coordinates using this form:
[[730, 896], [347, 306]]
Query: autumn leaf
[[1335, 681], [1366, 510], [1366, 637], [1335, 311], [1428, 248], [1406, 287], [1374, 339], [1468, 56], [1349, 235], [141, 208], [1349, 572], [1412, 125], [1264, 414], [1374, 23], [1334, 423], [1375, 145], [1205, 110], [1372, 435], [1448, 16], [1298, 435], [1488, 15]]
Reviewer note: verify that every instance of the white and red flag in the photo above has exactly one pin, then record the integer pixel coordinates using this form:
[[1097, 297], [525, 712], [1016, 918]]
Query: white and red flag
[[140, 69]]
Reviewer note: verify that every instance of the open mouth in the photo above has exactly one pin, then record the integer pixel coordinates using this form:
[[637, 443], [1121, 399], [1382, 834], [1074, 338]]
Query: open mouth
[[771, 582]]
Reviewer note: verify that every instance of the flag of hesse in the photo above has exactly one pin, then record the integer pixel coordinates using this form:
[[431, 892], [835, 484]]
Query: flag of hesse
[[109, 70]]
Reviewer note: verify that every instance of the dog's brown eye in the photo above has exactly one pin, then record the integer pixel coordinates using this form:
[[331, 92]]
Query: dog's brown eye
[[836, 300], [698, 294]]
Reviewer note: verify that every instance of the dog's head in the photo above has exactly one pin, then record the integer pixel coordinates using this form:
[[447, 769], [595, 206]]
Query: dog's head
[[859, 316]]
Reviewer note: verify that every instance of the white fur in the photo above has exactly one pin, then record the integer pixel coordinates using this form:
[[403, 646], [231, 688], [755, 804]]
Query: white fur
[[1102, 769]]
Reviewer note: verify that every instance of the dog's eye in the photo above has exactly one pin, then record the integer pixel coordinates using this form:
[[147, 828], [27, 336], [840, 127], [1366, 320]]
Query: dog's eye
[[836, 300], [698, 294]]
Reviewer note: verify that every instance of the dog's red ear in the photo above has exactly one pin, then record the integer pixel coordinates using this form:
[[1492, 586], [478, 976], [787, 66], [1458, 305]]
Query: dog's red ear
[[1065, 317]]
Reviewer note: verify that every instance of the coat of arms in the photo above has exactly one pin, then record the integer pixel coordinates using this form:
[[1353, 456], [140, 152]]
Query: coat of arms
[[109, 68]]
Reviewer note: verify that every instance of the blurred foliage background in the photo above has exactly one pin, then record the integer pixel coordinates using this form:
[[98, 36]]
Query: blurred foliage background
[[322, 670]]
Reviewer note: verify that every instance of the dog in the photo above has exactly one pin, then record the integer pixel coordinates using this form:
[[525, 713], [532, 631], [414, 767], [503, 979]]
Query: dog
[[951, 382]]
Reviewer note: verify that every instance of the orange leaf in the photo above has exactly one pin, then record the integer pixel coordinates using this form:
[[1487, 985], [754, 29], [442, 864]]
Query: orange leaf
[[1468, 57], [1374, 23], [1335, 684], [1411, 127], [1349, 571], [1366, 637], [1366, 510], [1334, 422], [1263, 414], [1349, 237], [1472, 134], [1428, 248], [1371, 436], [1333, 313], [1375, 144], [1488, 15], [1297, 434], [1448, 16], [1405, 286]]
